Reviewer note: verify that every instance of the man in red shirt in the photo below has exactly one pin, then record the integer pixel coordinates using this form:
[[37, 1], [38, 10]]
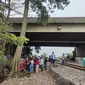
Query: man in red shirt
[[23, 65], [37, 65]]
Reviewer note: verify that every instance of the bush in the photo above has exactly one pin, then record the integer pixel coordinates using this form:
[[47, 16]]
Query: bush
[[2, 57], [4, 62]]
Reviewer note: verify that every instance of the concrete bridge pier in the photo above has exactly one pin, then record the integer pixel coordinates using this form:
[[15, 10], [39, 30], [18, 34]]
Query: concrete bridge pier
[[80, 51]]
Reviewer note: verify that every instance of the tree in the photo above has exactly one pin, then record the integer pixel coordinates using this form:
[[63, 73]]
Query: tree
[[69, 55], [5, 9], [37, 49], [28, 50], [42, 12], [6, 36], [74, 54], [44, 55]]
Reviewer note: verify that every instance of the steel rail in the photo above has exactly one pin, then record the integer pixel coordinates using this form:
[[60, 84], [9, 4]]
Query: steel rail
[[79, 67]]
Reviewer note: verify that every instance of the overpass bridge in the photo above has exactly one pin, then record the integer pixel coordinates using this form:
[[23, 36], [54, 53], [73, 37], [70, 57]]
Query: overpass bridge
[[64, 31]]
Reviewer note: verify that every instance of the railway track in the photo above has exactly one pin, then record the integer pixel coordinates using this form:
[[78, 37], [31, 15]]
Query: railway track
[[79, 67]]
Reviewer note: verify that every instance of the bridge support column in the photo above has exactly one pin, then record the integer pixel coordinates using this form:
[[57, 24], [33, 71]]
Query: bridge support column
[[80, 51]]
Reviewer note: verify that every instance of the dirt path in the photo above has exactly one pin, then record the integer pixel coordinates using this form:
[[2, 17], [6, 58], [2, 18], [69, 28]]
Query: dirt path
[[42, 78]]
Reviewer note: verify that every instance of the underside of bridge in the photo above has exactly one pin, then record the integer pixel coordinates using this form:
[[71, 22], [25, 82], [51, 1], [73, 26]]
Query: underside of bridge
[[55, 39]]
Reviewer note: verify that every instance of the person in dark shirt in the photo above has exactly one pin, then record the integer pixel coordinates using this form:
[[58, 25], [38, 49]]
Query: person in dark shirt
[[8, 56], [45, 63], [63, 59]]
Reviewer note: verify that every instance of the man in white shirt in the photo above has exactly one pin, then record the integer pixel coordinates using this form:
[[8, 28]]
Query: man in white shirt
[[41, 63]]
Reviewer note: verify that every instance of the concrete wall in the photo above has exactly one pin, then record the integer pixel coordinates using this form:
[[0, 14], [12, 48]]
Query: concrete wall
[[52, 28], [80, 51]]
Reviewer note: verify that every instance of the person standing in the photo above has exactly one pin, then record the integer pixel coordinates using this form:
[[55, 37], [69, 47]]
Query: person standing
[[41, 63], [45, 63], [53, 56], [84, 61], [31, 65], [27, 65], [63, 59], [37, 65], [50, 59], [34, 63]]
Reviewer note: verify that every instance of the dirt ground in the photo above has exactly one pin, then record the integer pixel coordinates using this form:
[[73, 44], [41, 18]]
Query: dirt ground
[[41, 78]]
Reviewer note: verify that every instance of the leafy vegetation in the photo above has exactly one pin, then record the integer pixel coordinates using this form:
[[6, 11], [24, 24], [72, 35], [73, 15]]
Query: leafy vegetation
[[44, 55], [72, 55], [6, 37], [2, 57], [27, 50]]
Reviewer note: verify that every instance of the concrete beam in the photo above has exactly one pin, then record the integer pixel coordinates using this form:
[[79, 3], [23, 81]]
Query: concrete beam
[[52, 28], [50, 20], [76, 42]]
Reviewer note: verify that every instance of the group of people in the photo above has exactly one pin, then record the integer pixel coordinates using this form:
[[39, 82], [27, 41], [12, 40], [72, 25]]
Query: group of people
[[34, 64], [53, 58]]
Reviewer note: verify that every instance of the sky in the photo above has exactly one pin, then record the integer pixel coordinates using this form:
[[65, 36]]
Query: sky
[[75, 9], [57, 50]]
